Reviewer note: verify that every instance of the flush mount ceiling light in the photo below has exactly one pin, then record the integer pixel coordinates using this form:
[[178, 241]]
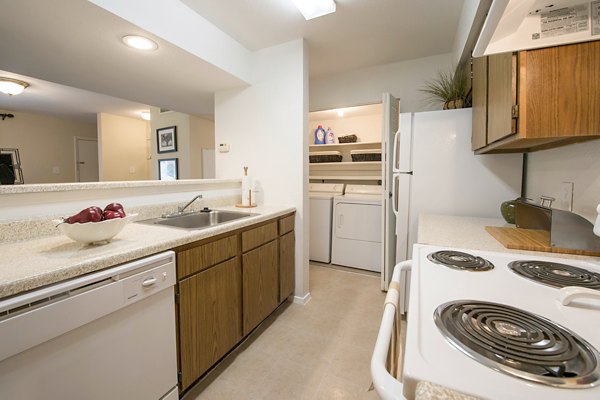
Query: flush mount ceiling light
[[315, 8], [12, 86], [145, 115], [139, 42], [340, 113]]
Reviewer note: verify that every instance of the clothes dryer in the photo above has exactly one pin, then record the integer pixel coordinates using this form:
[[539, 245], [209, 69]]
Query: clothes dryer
[[357, 233]]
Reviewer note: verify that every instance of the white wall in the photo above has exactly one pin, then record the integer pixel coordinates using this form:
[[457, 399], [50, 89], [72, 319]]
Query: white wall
[[465, 25], [578, 163], [365, 86], [265, 126]]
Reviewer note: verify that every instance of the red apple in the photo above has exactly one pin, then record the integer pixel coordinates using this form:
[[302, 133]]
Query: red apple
[[115, 207], [90, 214], [109, 214]]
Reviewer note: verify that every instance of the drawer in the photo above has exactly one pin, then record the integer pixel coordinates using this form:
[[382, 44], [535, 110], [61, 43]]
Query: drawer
[[286, 224], [206, 255], [255, 237]]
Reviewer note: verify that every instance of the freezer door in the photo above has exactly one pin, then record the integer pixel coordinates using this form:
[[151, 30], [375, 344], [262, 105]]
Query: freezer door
[[391, 124]]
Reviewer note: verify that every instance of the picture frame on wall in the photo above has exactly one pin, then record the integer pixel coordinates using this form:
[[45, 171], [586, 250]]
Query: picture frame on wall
[[166, 139], [10, 167], [168, 169]]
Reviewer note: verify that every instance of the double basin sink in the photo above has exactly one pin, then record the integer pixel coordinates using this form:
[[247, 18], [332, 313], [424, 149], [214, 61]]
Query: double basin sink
[[198, 220]]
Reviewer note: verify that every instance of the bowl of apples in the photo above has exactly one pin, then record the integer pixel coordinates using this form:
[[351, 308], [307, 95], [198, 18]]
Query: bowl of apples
[[94, 225]]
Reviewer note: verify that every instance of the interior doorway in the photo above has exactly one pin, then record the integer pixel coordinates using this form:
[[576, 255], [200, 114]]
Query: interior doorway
[[86, 159]]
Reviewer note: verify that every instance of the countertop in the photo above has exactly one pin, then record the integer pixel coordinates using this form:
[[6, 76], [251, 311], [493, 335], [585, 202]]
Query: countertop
[[470, 233], [31, 264]]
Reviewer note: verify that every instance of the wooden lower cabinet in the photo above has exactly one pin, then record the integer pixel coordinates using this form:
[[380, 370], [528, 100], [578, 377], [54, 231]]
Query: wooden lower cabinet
[[220, 304], [260, 288], [286, 265], [210, 318]]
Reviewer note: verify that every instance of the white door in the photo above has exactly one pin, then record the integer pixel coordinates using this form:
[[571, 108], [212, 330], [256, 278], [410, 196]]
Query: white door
[[86, 159], [389, 148]]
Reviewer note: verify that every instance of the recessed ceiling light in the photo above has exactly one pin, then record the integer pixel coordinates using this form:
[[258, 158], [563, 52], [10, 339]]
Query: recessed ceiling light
[[12, 86], [315, 8], [145, 115], [139, 42], [340, 113]]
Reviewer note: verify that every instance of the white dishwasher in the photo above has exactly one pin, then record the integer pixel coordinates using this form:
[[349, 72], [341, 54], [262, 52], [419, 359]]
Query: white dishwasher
[[106, 335]]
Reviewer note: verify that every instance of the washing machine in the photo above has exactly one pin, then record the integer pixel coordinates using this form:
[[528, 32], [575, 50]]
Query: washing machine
[[321, 209], [357, 228]]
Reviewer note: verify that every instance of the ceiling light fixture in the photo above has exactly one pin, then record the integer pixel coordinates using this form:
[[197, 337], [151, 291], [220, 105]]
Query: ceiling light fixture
[[340, 113], [12, 86], [139, 42], [145, 115], [315, 8]]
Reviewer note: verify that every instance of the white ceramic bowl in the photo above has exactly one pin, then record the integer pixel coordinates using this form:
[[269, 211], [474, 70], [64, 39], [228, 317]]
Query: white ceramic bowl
[[92, 232]]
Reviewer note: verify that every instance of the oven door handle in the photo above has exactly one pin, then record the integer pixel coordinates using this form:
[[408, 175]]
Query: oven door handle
[[567, 294], [387, 386]]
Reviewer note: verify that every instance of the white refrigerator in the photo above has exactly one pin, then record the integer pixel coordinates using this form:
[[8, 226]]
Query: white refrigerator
[[429, 167]]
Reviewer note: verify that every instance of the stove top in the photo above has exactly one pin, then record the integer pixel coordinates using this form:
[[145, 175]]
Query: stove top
[[495, 335], [519, 343], [556, 274], [459, 260]]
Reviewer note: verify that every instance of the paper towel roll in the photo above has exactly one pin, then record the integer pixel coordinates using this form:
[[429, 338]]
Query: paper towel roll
[[246, 188]]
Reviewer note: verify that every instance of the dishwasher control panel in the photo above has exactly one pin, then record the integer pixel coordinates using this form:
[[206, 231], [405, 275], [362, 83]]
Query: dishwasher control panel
[[146, 283]]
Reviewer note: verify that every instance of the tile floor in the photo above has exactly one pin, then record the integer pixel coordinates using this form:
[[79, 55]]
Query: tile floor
[[318, 351]]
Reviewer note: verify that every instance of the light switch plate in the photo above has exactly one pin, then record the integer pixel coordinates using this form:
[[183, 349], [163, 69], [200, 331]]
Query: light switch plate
[[223, 147]]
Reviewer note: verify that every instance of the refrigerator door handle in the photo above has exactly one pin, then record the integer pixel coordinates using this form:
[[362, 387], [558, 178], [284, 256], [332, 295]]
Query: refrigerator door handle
[[395, 166], [394, 196]]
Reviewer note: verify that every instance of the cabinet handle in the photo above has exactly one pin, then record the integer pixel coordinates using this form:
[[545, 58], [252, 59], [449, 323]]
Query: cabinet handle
[[149, 282]]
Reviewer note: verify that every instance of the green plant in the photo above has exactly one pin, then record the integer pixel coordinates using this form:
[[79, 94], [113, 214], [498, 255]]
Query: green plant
[[449, 88]]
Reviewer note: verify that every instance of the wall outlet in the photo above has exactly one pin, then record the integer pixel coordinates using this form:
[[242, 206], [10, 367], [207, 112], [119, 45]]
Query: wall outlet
[[132, 170], [565, 197], [56, 170]]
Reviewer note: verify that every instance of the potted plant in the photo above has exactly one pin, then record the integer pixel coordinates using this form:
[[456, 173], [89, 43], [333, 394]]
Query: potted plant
[[449, 88]]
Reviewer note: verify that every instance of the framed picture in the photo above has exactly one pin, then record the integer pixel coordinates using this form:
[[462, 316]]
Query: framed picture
[[166, 139], [10, 167], [168, 169]]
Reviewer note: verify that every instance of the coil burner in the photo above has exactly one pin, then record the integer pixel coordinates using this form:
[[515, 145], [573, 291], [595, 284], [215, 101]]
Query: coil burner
[[458, 260], [518, 343], [555, 274]]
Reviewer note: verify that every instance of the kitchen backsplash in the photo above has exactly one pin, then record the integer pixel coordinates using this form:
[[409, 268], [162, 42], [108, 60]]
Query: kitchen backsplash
[[579, 163]]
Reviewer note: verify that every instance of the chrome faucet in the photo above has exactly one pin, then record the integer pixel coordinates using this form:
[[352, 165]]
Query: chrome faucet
[[181, 210]]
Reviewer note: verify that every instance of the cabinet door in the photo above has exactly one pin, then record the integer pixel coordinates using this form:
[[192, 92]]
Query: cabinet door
[[502, 92], [286, 265], [260, 272], [210, 318], [479, 135]]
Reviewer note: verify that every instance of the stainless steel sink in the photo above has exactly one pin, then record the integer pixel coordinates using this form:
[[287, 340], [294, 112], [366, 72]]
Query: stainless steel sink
[[198, 220]]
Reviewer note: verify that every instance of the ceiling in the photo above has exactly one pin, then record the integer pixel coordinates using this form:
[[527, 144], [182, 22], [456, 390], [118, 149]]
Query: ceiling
[[43, 97], [361, 33], [75, 43]]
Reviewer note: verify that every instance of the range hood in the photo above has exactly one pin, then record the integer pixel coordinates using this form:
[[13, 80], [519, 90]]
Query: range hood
[[513, 25]]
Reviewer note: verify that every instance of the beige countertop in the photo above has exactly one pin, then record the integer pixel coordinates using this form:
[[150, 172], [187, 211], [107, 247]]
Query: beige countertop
[[470, 233], [31, 264]]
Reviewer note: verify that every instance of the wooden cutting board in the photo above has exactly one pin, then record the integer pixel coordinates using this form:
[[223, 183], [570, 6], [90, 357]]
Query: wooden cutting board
[[530, 239]]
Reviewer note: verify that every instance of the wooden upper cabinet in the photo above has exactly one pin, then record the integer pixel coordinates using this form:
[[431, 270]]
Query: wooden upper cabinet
[[562, 96], [539, 98], [502, 88], [479, 86]]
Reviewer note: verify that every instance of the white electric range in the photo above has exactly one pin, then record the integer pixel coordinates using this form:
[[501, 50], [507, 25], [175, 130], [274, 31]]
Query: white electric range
[[480, 331]]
